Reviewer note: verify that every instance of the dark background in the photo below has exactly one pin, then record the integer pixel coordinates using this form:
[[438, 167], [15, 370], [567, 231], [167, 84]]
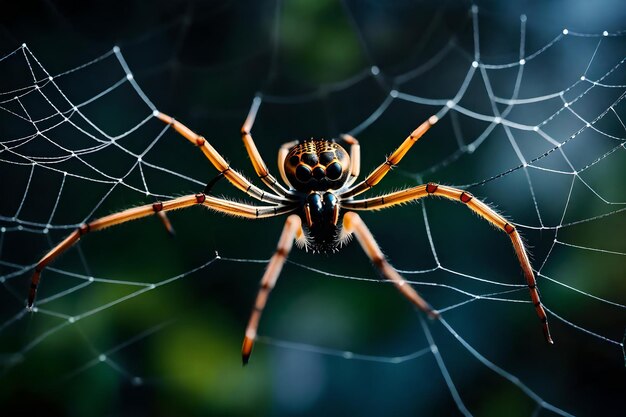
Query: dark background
[[203, 62]]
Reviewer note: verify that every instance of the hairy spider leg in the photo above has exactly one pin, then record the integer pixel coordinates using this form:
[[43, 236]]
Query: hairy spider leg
[[391, 161], [257, 161], [352, 223], [217, 204], [220, 163], [291, 231], [478, 207]]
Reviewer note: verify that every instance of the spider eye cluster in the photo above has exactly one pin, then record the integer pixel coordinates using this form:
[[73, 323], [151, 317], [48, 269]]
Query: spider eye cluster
[[317, 165]]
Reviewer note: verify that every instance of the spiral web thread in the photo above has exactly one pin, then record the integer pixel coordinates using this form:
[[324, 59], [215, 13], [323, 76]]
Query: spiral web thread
[[64, 111]]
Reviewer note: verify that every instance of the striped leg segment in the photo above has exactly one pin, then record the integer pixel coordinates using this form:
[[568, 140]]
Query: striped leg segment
[[257, 161], [290, 232], [352, 223], [219, 162], [477, 206], [214, 203], [392, 160]]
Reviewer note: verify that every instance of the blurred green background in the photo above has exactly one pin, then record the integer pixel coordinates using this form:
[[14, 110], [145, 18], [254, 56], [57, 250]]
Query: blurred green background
[[203, 62]]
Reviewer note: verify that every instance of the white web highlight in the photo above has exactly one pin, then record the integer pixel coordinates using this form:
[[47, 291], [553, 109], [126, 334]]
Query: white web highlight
[[63, 111]]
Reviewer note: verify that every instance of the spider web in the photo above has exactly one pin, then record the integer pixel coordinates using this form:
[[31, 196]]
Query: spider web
[[534, 131]]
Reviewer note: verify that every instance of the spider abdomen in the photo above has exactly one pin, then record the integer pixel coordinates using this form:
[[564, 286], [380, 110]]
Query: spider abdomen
[[317, 165]]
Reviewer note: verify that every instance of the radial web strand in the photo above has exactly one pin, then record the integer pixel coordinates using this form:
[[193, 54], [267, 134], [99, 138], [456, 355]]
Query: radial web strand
[[550, 155]]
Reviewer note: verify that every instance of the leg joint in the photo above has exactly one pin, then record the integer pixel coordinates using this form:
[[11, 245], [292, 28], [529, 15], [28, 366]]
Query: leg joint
[[431, 187], [379, 261], [200, 198], [508, 228], [200, 141], [466, 197], [158, 206], [83, 229]]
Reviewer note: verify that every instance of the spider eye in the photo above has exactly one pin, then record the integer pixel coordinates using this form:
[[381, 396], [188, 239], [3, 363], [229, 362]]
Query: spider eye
[[319, 173], [333, 171], [326, 157], [303, 173], [294, 160], [310, 159]]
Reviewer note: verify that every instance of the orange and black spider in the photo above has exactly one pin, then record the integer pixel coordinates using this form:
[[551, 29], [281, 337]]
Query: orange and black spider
[[320, 177]]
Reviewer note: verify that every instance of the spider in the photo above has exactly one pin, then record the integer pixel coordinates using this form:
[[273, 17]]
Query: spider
[[321, 183]]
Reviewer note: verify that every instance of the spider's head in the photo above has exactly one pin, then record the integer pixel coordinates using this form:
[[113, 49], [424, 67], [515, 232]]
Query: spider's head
[[317, 165]]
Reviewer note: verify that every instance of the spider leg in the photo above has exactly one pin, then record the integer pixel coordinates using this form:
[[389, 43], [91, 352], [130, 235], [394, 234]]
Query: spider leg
[[166, 223], [352, 223], [282, 154], [214, 203], [219, 162], [355, 157], [478, 207], [257, 161], [291, 231], [392, 160]]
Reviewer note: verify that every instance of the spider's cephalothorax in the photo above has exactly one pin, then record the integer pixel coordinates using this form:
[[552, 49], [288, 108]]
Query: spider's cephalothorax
[[315, 168], [317, 165], [321, 183]]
